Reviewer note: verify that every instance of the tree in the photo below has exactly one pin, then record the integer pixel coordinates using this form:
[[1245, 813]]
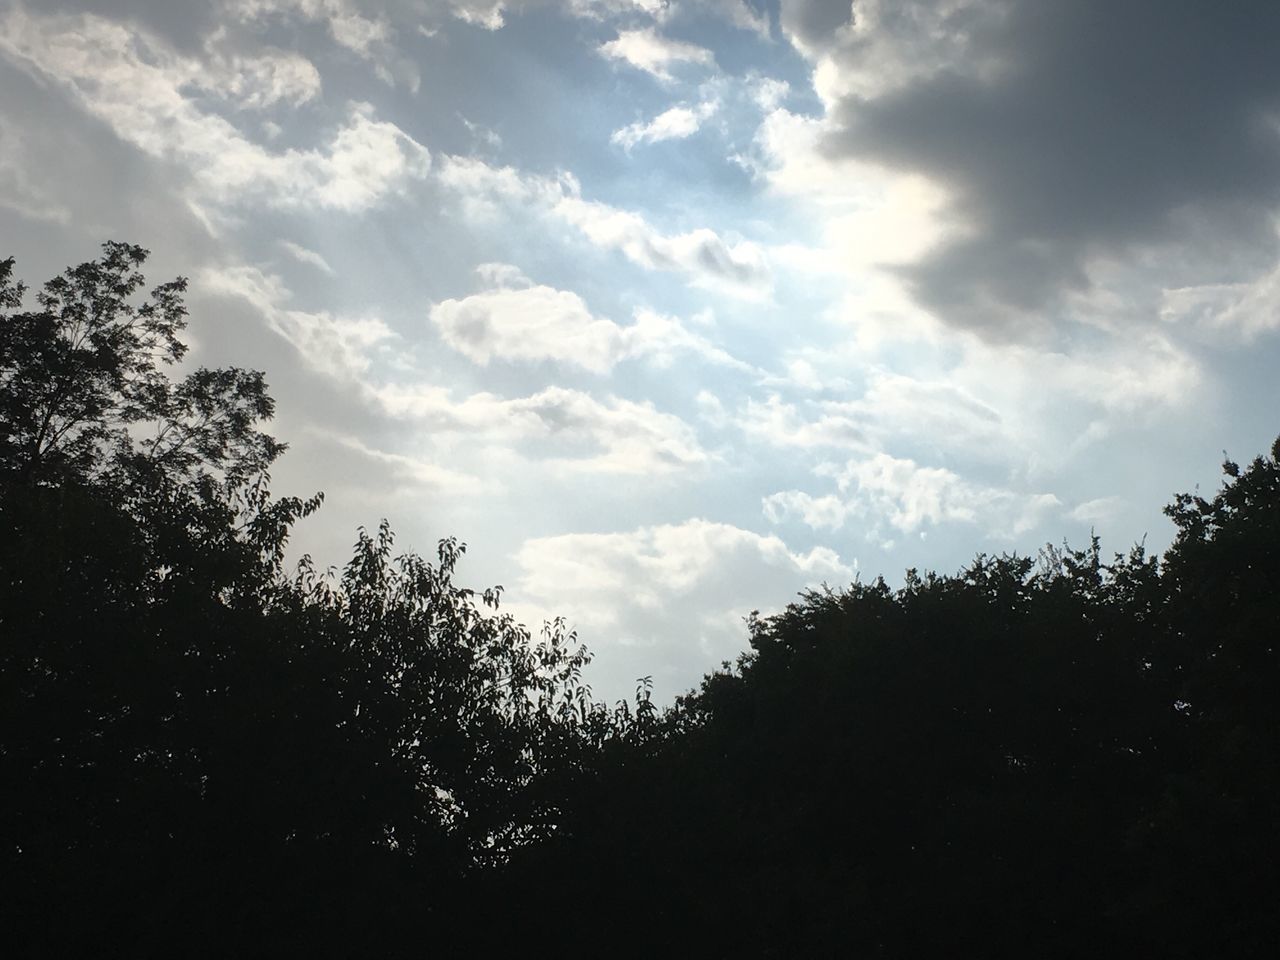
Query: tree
[[84, 374], [1045, 757], [196, 742]]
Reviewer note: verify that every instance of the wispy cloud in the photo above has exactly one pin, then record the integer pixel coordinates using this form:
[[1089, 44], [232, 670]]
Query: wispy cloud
[[141, 88], [677, 123], [737, 267], [883, 489], [341, 347], [304, 255], [566, 429], [517, 320], [655, 54]]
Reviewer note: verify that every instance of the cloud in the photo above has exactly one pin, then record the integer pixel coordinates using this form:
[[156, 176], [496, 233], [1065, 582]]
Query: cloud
[[516, 320], [340, 347], [1241, 311], [1100, 510], [668, 599], [1062, 134], [530, 323], [18, 190], [893, 406], [141, 88], [660, 338], [1023, 408], [269, 78], [488, 14], [370, 38], [742, 14], [303, 255], [364, 470], [647, 50], [886, 489], [567, 429], [736, 267], [652, 565], [676, 123], [491, 14], [781, 424], [710, 409], [1125, 376]]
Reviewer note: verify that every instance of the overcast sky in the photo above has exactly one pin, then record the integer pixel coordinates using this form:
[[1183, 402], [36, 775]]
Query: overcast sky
[[670, 309]]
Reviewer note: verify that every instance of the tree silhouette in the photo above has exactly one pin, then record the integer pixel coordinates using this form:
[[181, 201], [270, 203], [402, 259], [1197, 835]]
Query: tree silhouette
[[1047, 757], [85, 370], [197, 746]]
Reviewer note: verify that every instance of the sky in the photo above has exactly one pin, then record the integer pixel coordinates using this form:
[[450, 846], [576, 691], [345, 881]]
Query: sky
[[671, 310]]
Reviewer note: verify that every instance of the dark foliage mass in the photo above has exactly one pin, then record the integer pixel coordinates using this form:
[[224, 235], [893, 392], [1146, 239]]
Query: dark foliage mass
[[204, 752]]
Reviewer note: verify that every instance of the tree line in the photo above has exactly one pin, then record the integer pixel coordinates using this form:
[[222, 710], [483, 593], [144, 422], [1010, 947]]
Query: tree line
[[206, 751]]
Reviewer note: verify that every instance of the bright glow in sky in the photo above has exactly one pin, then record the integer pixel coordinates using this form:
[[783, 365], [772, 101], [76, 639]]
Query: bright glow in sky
[[671, 309]]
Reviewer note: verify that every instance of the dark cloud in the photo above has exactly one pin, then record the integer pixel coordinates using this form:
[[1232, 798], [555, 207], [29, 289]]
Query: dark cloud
[[1094, 127], [813, 21]]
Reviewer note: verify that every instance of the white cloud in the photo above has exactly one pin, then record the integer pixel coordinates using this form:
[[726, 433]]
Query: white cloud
[[367, 160], [742, 14], [1123, 375], [735, 267], [935, 412], [532, 323], [907, 496], [491, 14], [1028, 409], [781, 424], [710, 409], [370, 38], [676, 123], [647, 50], [304, 255], [769, 92], [567, 429], [269, 78], [667, 599], [488, 14], [517, 320], [137, 86], [1100, 510], [341, 347], [824, 512], [660, 338], [653, 565], [1242, 311], [502, 276]]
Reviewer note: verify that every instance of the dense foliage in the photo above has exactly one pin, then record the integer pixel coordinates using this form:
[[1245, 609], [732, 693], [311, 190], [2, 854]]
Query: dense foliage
[[202, 751], [193, 738], [1061, 757]]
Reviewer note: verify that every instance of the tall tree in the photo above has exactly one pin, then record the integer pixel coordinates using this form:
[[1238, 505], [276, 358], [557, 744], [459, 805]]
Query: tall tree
[[196, 742]]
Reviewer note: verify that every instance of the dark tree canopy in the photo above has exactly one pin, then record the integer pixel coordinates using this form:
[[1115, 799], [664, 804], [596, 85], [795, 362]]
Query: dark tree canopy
[[203, 751], [1061, 756], [194, 738], [83, 375]]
